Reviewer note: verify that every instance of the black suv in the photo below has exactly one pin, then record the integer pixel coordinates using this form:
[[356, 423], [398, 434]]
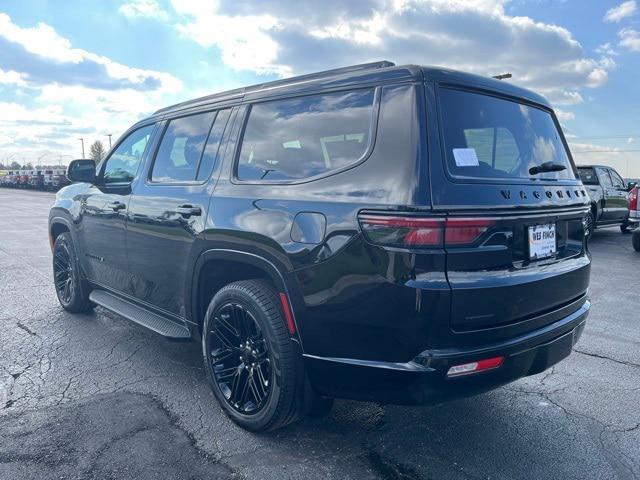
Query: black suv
[[396, 234]]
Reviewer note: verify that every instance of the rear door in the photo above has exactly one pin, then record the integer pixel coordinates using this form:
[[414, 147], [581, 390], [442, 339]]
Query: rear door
[[514, 235], [168, 209], [620, 197], [609, 195]]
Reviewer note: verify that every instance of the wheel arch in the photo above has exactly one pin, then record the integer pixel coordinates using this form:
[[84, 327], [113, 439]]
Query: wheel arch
[[216, 268], [58, 225]]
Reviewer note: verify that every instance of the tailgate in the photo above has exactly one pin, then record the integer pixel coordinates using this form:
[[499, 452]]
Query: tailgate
[[496, 282]]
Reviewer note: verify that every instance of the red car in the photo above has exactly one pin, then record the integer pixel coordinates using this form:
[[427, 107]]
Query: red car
[[634, 213]]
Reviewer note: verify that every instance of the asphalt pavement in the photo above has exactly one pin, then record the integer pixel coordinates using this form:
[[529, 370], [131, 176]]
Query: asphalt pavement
[[96, 396]]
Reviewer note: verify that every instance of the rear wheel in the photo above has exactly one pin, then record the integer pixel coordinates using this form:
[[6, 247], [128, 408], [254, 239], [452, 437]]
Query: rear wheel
[[636, 240], [624, 228], [589, 224], [249, 356], [71, 287]]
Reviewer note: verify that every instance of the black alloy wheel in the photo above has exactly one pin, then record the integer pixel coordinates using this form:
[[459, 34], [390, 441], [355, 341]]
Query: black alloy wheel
[[240, 358], [253, 365], [71, 287]]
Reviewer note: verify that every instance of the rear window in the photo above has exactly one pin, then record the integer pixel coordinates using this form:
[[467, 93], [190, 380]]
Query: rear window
[[588, 176], [303, 137], [490, 137]]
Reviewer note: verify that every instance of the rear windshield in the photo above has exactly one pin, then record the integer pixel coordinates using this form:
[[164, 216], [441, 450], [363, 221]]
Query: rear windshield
[[489, 137], [588, 176]]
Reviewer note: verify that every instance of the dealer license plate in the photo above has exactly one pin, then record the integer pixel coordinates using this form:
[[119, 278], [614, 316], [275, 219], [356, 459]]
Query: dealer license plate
[[542, 241]]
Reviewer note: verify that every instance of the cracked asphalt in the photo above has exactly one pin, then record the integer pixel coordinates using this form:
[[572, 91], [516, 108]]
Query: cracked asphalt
[[96, 396]]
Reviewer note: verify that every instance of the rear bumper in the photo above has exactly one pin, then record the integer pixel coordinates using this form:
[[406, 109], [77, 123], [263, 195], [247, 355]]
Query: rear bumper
[[423, 380]]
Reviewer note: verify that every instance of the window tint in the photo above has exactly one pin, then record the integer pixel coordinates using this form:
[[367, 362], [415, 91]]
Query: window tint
[[588, 176], [122, 165], [617, 181], [489, 137], [181, 147], [604, 177], [302, 137], [213, 144]]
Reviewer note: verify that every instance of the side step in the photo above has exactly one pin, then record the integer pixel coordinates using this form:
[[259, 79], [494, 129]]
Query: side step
[[128, 310]]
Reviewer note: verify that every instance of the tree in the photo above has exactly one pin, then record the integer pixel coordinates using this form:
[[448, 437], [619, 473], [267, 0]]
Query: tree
[[14, 165], [96, 151]]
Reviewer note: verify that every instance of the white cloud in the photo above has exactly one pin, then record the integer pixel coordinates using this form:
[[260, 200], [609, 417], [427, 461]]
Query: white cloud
[[143, 9], [564, 116], [11, 77], [624, 10], [630, 39], [477, 36], [44, 42]]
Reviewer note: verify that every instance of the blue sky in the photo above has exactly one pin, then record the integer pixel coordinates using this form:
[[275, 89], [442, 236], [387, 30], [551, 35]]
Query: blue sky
[[85, 69]]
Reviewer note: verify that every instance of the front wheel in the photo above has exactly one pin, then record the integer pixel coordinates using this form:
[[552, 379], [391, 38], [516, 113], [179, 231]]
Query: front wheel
[[71, 287], [250, 358]]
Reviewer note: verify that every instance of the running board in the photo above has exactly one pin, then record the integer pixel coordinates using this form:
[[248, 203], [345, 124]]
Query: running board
[[150, 320]]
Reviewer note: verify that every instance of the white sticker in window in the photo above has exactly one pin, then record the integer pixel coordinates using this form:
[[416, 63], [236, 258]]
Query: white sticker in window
[[466, 157]]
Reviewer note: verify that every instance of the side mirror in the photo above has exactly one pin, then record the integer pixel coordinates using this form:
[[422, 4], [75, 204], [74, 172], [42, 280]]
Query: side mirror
[[82, 171], [631, 185]]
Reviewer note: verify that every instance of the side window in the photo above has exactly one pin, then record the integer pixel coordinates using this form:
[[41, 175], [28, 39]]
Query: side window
[[122, 165], [213, 144], [494, 146], [301, 137], [181, 148], [605, 180], [617, 181]]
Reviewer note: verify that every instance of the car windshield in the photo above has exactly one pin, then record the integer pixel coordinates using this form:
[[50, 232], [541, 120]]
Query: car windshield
[[491, 137]]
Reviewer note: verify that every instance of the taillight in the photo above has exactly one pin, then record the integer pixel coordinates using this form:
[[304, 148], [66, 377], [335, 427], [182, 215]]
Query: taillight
[[633, 199], [395, 231], [429, 232]]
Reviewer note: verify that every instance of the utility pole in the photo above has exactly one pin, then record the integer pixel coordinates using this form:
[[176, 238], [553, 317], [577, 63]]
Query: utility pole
[[82, 141], [109, 135]]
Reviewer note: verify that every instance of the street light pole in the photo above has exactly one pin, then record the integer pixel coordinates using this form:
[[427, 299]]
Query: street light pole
[[109, 135], [82, 141]]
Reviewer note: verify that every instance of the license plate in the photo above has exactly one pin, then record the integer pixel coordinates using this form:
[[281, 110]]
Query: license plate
[[542, 241]]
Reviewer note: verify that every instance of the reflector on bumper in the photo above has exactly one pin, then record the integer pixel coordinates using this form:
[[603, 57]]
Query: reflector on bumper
[[475, 367]]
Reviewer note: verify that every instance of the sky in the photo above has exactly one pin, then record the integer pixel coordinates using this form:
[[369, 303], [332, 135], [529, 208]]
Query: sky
[[72, 69]]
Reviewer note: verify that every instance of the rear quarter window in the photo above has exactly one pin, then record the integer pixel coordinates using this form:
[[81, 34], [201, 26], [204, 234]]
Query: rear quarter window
[[298, 138]]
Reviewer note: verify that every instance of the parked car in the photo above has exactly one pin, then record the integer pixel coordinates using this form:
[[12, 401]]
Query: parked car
[[609, 196], [379, 233], [59, 179], [47, 179], [634, 214], [23, 180], [36, 180]]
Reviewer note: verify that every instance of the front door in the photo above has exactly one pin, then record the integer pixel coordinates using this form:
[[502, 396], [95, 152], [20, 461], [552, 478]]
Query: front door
[[168, 209], [609, 195], [104, 212]]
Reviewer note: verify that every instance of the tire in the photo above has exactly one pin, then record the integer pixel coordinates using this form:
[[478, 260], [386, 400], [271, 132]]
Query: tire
[[625, 228], [71, 287], [590, 224], [243, 312], [635, 240]]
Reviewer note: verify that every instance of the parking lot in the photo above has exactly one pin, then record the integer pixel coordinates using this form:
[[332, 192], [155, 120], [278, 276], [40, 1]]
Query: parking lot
[[96, 396]]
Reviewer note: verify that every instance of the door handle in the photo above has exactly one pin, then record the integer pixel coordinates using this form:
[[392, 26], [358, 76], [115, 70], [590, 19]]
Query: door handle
[[188, 211], [116, 206]]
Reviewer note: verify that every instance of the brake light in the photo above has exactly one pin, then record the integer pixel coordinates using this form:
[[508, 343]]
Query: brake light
[[475, 367], [395, 231], [633, 199], [434, 232]]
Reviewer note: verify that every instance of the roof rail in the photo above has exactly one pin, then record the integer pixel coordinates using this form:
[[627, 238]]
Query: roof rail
[[238, 92]]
